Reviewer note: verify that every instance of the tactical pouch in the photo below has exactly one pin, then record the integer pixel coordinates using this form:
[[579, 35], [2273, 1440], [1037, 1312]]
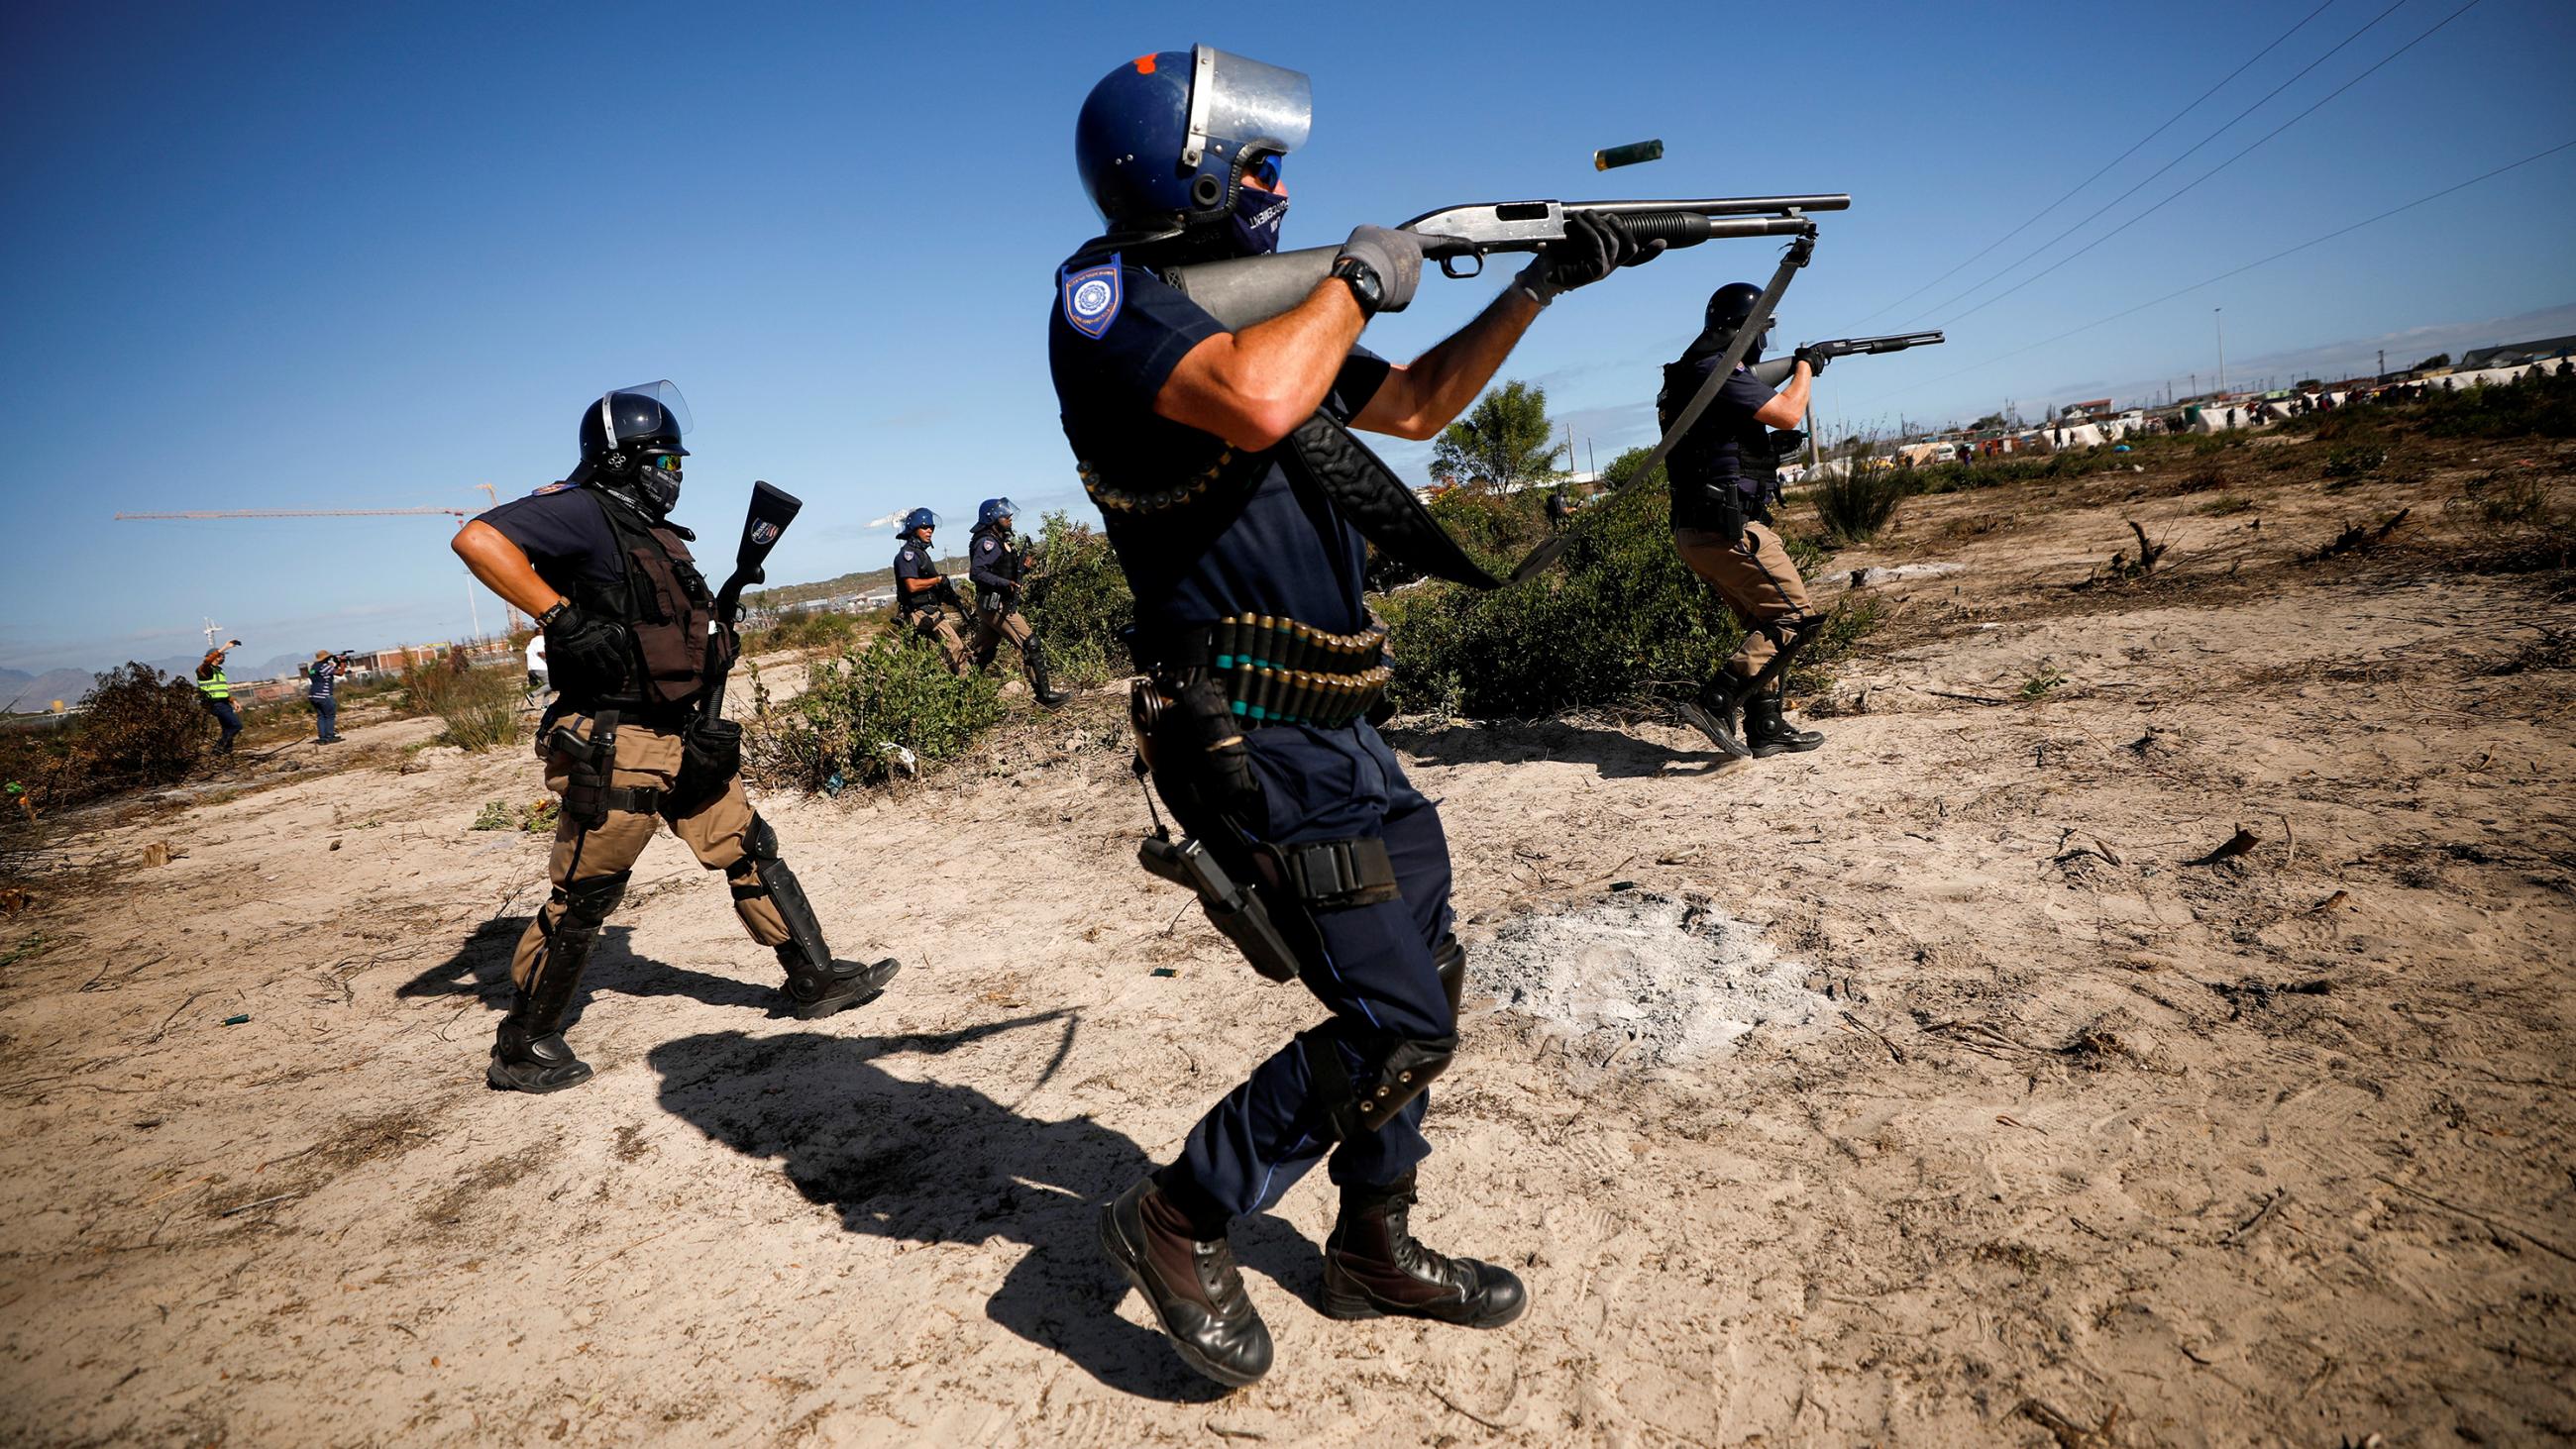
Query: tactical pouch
[[710, 756], [1234, 910], [594, 761], [1205, 742]]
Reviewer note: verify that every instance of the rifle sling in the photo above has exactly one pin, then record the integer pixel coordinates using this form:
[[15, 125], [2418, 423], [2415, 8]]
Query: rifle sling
[[1365, 491]]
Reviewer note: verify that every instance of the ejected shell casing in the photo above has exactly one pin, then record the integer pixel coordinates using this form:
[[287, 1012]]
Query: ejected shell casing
[[1628, 155]]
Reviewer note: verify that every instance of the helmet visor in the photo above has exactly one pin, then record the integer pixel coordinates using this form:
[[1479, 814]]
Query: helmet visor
[[665, 392], [1238, 105]]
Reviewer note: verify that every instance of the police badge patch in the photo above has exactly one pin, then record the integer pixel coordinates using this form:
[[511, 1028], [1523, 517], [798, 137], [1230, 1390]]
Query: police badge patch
[[1092, 296], [764, 532]]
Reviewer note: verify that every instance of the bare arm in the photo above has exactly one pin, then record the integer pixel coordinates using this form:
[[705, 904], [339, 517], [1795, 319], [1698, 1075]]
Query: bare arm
[[1789, 404], [504, 570], [1418, 400], [1254, 387]]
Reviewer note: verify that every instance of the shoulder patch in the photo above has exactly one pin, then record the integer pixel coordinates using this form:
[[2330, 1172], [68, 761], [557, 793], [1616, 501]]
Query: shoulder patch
[[1092, 297], [545, 488]]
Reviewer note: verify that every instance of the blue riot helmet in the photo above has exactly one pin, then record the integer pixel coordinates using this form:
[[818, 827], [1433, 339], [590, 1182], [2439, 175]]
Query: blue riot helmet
[[1164, 140], [630, 442], [915, 521], [994, 508]]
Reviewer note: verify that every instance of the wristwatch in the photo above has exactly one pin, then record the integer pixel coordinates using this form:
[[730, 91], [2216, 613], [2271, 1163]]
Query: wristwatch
[[546, 620], [1366, 289]]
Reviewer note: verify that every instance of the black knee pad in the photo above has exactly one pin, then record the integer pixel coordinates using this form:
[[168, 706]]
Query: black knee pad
[[760, 842], [1400, 1069], [588, 902]]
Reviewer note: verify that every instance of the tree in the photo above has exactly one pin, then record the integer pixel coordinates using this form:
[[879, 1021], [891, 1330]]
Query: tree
[[1505, 437], [2438, 359]]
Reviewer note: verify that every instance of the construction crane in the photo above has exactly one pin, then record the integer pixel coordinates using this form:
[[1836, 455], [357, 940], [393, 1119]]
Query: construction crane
[[455, 513]]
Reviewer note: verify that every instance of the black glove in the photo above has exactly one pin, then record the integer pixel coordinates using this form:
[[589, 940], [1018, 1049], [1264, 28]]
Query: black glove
[[1593, 247], [1396, 257], [583, 653], [1814, 359]]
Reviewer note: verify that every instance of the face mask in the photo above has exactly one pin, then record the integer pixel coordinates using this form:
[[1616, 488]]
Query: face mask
[[659, 480], [1256, 219]]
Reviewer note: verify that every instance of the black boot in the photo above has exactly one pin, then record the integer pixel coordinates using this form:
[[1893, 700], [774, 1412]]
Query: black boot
[[529, 1053], [1047, 694], [817, 985], [1190, 1282], [1770, 734], [1713, 714], [1373, 1266]]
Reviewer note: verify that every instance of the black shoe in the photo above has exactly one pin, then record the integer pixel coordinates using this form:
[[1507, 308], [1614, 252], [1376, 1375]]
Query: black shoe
[[1373, 1266], [545, 1064], [1192, 1285], [1716, 721], [1769, 733], [809, 996]]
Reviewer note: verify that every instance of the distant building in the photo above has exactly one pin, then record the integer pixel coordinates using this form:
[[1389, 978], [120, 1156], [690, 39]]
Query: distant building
[[2098, 407], [2515, 353]]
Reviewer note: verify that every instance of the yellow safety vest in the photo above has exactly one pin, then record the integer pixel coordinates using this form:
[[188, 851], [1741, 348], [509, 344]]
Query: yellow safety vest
[[215, 686]]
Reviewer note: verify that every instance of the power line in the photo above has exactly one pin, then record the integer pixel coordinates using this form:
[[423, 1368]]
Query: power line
[[2114, 161], [2221, 166], [2236, 271], [2008, 267]]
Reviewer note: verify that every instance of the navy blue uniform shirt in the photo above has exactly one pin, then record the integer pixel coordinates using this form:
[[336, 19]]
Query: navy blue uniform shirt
[[991, 564], [1263, 545], [912, 561], [564, 535], [1709, 453]]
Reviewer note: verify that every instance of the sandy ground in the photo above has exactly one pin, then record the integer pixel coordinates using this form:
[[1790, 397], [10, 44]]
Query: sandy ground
[[1917, 1090]]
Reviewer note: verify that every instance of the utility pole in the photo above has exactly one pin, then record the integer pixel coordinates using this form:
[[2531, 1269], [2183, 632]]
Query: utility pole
[[2383, 364], [2222, 347]]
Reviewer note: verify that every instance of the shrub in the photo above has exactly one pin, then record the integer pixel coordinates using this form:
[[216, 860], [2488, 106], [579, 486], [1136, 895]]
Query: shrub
[[862, 711], [1080, 603], [1856, 505], [2520, 498], [1496, 529], [2354, 459], [1619, 620], [480, 707], [137, 727], [803, 629], [538, 817]]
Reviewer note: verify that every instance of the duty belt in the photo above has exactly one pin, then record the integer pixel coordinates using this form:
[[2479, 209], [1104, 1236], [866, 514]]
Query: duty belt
[[1279, 671]]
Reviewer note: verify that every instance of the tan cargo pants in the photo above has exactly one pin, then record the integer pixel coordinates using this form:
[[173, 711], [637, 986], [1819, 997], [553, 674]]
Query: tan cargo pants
[[941, 626], [716, 831], [1757, 581], [995, 629]]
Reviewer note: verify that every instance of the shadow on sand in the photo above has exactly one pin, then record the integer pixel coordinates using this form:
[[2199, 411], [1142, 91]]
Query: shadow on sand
[[932, 1162], [481, 967], [1617, 755]]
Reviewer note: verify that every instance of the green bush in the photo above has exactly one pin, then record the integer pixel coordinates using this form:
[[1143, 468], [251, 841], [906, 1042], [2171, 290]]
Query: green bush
[[137, 727], [1619, 620], [480, 707], [1496, 529], [1080, 603], [1854, 505], [803, 629], [862, 710]]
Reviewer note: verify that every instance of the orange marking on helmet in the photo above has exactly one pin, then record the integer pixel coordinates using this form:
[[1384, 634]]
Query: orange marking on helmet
[[1144, 65]]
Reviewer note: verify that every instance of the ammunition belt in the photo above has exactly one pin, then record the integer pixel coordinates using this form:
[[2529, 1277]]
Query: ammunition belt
[[1279, 671], [1229, 469]]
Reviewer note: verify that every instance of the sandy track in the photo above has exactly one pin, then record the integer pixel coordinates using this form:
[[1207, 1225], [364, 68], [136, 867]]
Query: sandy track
[[2064, 1140]]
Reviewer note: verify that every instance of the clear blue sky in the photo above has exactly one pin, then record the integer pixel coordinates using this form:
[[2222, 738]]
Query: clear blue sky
[[371, 256]]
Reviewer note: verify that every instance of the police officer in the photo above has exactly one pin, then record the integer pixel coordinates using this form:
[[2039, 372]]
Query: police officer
[[923, 595], [1723, 475], [627, 621], [999, 566], [1190, 438]]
